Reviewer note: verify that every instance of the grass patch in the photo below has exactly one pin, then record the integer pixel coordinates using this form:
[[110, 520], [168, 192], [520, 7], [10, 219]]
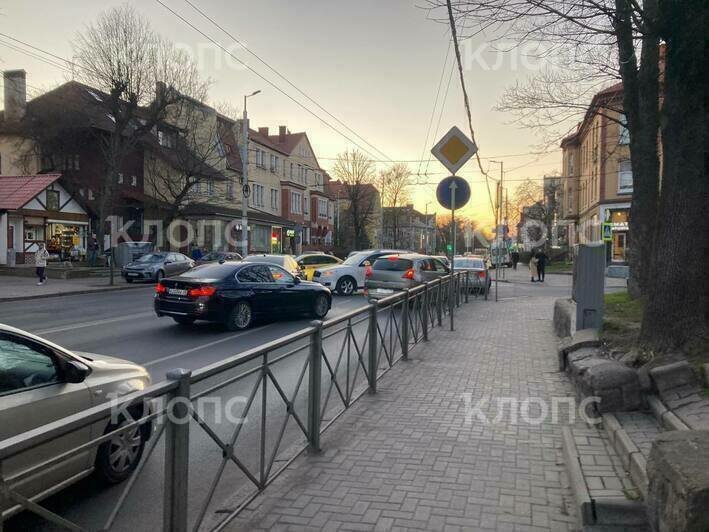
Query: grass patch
[[559, 267], [620, 306], [621, 321]]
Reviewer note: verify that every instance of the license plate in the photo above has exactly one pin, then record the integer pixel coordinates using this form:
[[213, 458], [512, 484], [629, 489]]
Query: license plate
[[177, 292], [384, 291], [133, 275]]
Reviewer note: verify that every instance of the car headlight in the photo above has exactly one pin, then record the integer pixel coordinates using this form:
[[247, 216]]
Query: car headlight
[[327, 274]]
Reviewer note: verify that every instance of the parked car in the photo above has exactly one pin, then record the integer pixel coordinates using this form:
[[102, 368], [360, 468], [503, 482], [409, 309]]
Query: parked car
[[287, 262], [155, 266], [479, 279], [217, 256], [235, 293], [443, 259], [309, 262], [348, 277], [393, 273], [41, 382]]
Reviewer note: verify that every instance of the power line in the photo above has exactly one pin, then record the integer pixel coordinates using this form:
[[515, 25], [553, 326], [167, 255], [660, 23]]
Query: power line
[[33, 55], [271, 83], [44, 52], [279, 74], [440, 114]]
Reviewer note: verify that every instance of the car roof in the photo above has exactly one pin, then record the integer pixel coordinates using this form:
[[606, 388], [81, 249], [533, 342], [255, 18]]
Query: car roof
[[409, 256]]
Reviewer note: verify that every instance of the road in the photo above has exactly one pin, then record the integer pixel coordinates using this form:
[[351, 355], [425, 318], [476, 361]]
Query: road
[[123, 324]]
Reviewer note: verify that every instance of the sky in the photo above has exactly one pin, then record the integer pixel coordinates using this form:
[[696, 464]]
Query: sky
[[375, 65]]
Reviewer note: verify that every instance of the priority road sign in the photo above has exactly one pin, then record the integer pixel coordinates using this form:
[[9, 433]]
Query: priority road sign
[[445, 189], [454, 150], [607, 232]]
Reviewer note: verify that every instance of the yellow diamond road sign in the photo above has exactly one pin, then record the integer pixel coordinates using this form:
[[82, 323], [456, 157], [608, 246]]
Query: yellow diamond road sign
[[454, 150]]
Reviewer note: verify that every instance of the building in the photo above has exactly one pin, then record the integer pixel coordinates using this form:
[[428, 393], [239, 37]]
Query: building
[[406, 228], [597, 176]]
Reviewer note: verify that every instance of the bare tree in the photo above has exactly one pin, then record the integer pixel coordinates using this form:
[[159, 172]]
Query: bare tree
[[394, 184], [142, 74], [357, 175]]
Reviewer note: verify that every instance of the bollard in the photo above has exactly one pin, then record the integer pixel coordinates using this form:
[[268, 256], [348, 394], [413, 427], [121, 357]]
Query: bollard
[[426, 304], [314, 382], [373, 362], [439, 302], [177, 448], [467, 285], [405, 326]]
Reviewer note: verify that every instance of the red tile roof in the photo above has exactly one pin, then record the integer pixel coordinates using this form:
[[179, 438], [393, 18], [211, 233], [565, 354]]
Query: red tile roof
[[17, 190]]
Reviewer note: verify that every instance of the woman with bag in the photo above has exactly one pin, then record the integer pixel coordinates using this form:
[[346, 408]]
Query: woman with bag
[[533, 262]]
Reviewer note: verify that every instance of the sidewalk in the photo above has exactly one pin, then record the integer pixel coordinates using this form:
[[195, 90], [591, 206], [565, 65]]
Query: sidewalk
[[14, 288], [406, 458]]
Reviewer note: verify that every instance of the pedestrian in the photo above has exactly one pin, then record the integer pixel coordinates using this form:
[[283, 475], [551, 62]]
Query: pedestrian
[[196, 253], [542, 260], [533, 261], [40, 261], [92, 250], [515, 259]]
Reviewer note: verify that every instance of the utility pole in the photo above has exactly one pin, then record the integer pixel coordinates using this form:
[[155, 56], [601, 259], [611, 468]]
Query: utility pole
[[498, 222], [245, 179]]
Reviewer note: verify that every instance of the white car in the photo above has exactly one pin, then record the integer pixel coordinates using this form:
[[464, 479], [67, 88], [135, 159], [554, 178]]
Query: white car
[[348, 277], [40, 382]]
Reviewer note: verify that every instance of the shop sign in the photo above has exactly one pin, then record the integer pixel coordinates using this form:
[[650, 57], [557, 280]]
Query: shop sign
[[607, 232], [290, 232]]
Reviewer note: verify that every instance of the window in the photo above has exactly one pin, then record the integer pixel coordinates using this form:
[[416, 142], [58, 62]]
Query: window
[[280, 276], [166, 139], [291, 170], [296, 202], [274, 199], [259, 158], [570, 199], [220, 147], [230, 190], [318, 179], [257, 195], [322, 208], [120, 179], [623, 133], [274, 164], [210, 187], [24, 365], [91, 194], [197, 188], [570, 162], [53, 200], [133, 181], [255, 274], [625, 176]]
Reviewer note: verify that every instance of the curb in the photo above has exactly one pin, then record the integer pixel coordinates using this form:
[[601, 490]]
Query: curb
[[598, 514], [632, 459], [665, 417], [72, 293]]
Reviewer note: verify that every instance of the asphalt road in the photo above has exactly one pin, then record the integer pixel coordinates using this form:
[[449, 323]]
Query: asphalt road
[[123, 324]]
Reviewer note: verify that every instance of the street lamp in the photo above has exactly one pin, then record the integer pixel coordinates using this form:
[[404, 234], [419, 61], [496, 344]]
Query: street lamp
[[245, 179]]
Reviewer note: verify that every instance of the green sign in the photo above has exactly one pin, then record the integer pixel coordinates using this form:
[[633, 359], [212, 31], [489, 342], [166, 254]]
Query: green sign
[[607, 232]]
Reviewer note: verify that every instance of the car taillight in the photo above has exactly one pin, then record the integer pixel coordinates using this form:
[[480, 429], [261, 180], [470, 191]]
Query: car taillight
[[202, 291], [368, 271], [160, 288], [481, 275], [409, 274]]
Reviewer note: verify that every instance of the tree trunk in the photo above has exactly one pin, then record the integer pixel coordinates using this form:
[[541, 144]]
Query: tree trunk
[[640, 104], [676, 309]]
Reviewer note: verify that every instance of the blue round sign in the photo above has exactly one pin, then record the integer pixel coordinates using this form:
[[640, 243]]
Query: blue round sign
[[444, 192]]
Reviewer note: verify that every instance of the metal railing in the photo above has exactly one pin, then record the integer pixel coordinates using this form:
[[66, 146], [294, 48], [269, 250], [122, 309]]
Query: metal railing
[[339, 360]]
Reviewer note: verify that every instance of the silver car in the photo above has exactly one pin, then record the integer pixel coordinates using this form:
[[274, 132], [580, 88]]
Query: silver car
[[393, 273], [155, 266], [479, 278], [40, 382]]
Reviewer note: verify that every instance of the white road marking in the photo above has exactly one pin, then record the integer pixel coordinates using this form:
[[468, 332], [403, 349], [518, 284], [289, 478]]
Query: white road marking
[[199, 347], [93, 323]]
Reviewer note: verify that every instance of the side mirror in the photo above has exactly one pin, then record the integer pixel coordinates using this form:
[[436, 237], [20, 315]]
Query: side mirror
[[75, 372]]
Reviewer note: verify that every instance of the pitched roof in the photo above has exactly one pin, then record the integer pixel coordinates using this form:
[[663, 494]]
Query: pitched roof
[[17, 190], [289, 141]]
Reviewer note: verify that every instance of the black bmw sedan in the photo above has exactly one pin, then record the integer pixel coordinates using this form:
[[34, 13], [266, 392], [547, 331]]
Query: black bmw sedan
[[235, 293]]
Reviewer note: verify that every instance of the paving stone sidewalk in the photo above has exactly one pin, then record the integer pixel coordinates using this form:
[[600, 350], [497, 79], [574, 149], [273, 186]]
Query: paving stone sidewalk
[[406, 458]]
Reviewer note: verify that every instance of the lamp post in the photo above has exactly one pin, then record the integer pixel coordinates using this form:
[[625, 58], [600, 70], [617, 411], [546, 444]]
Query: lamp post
[[245, 179], [498, 223]]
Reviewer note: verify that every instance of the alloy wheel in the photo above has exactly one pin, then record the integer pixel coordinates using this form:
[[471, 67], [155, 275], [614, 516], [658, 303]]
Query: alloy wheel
[[242, 317], [124, 450]]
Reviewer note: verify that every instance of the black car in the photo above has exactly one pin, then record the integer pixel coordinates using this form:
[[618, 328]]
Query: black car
[[234, 293], [219, 256]]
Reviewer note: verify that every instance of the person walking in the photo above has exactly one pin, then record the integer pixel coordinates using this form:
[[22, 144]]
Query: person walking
[[515, 258], [40, 261], [533, 261], [542, 260], [92, 250]]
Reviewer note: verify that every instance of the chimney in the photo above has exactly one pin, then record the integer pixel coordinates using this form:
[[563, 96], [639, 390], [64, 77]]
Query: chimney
[[263, 131], [15, 94], [282, 133]]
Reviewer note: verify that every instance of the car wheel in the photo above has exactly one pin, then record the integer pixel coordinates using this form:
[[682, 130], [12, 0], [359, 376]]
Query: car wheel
[[321, 306], [346, 286], [118, 457], [159, 275], [240, 317], [183, 320]]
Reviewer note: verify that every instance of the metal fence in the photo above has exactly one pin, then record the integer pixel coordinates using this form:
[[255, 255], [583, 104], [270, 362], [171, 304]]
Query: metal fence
[[290, 390]]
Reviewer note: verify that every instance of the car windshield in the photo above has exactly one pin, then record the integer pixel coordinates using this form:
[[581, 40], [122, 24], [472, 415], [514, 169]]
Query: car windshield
[[210, 271], [469, 263], [265, 258], [214, 255], [355, 259], [151, 257]]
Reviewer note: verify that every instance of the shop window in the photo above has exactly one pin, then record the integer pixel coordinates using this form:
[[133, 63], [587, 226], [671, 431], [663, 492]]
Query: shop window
[[625, 176], [52, 200]]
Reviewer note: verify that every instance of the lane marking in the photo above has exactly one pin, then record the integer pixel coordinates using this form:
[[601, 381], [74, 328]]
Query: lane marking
[[93, 323], [200, 347]]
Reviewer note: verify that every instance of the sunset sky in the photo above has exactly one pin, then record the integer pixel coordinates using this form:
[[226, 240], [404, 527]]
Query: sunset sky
[[374, 65]]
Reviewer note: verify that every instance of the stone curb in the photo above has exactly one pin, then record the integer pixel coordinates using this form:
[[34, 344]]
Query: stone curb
[[72, 293], [598, 514], [632, 459], [665, 417]]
